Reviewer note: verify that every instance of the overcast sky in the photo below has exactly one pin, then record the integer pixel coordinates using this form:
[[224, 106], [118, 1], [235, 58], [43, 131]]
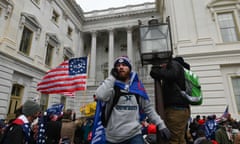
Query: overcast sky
[[90, 5]]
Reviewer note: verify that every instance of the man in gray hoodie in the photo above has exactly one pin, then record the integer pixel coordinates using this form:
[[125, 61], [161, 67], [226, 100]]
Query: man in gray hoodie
[[123, 126]]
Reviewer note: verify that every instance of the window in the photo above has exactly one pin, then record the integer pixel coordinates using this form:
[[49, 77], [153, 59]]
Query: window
[[16, 90], [69, 31], [67, 53], [51, 45], [36, 1], [26, 41], [228, 27], [63, 100], [55, 16], [49, 55], [15, 100], [29, 27], [224, 14], [236, 90], [44, 102], [65, 58]]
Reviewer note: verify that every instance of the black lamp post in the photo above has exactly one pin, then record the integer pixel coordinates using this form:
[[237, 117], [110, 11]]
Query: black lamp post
[[156, 48]]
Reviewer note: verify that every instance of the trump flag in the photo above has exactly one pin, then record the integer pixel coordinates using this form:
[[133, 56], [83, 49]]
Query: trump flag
[[98, 131], [68, 77]]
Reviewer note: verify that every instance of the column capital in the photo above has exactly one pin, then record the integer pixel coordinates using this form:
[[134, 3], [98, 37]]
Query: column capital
[[111, 29], [94, 33], [129, 28]]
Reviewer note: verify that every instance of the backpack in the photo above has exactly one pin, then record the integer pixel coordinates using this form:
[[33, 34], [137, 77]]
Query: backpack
[[193, 91], [105, 119]]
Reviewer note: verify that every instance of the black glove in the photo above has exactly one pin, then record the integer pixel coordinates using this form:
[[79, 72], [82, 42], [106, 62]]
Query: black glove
[[156, 72], [114, 73], [164, 132]]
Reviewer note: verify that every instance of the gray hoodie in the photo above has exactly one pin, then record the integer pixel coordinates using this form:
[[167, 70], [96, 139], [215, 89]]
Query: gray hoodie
[[124, 121]]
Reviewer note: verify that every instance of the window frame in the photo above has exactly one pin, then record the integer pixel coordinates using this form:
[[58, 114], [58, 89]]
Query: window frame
[[234, 93], [28, 22], [235, 27], [55, 16], [44, 98], [22, 48], [51, 39], [18, 86], [1, 9], [67, 53], [36, 1], [63, 100], [49, 54], [15, 100], [215, 7], [69, 32]]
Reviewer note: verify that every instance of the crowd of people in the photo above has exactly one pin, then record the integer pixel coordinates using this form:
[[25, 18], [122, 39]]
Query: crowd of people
[[202, 130], [54, 126], [127, 115], [213, 130], [65, 128]]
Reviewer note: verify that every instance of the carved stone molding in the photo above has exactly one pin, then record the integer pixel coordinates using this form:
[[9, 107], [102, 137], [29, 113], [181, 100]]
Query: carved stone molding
[[31, 22], [8, 5], [216, 5], [52, 39], [8, 11], [22, 22], [67, 51], [120, 12]]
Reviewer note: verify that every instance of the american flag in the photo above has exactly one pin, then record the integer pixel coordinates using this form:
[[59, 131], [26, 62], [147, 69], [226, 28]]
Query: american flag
[[68, 77], [224, 115], [69, 94]]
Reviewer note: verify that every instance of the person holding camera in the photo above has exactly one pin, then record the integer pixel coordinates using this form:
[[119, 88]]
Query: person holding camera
[[124, 124]]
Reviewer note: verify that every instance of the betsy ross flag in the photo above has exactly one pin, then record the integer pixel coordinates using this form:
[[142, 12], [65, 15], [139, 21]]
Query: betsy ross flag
[[68, 77]]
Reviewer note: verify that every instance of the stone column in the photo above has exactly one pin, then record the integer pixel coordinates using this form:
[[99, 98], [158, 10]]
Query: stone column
[[130, 45], [110, 50], [92, 63], [81, 44]]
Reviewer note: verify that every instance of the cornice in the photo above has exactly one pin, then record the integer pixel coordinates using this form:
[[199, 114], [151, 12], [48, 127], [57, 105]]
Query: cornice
[[32, 18], [27, 66], [75, 8], [128, 10], [220, 3]]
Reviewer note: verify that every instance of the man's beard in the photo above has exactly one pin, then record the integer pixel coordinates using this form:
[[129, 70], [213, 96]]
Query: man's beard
[[123, 76]]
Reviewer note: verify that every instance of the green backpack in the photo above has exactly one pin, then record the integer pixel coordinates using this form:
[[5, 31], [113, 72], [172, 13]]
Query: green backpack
[[193, 91]]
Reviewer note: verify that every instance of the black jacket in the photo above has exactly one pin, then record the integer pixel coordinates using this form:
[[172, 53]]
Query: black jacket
[[173, 80], [14, 134]]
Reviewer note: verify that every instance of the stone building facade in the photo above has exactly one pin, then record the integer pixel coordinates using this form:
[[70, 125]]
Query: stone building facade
[[207, 34], [37, 35]]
